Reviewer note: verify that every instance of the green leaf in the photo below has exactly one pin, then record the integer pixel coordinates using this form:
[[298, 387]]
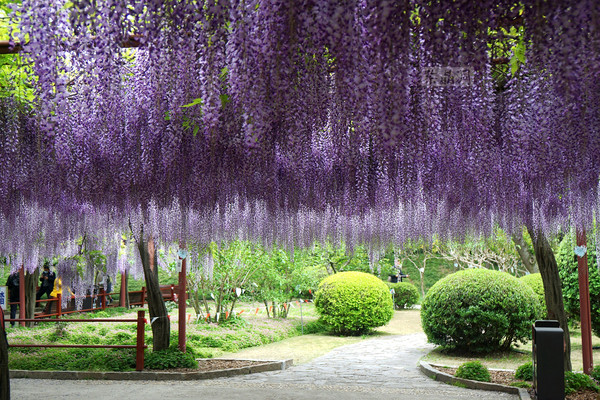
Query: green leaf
[[193, 103]]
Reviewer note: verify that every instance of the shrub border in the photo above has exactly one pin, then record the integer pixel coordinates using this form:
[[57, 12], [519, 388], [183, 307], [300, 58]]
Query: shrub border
[[268, 365], [430, 371]]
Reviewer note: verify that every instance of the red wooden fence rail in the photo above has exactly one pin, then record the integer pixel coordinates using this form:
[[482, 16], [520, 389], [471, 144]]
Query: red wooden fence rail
[[139, 346]]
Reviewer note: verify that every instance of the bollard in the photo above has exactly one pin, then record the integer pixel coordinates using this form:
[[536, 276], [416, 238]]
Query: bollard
[[548, 366]]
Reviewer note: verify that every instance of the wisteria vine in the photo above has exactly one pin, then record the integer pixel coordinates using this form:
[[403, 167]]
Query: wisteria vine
[[286, 122]]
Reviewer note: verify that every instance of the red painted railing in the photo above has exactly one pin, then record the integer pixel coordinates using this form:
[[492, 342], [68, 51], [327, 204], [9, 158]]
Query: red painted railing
[[139, 346]]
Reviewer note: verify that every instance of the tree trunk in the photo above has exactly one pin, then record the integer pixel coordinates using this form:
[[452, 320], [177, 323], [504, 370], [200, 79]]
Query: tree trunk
[[552, 288], [527, 258], [31, 281], [159, 318]]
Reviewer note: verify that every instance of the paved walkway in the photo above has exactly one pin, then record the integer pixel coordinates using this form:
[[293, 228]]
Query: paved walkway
[[380, 368]]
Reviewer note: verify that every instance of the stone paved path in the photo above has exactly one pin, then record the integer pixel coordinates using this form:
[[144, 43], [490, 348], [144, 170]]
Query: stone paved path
[[380, 368]]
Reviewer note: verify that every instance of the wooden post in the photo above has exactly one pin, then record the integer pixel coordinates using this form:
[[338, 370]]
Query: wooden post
[[139, 350], [143, 295], [102, 299], [58, 305], [584, 303], [22, 295], [123, 290], [182, 303]]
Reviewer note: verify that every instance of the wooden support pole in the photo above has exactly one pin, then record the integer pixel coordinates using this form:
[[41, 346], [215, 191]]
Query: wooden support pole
[[123, 290], [22, 295], [139, 354], [584, 301], [182, 304]]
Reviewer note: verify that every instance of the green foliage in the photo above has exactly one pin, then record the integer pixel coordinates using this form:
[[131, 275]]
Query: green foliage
[[77, 359], [576, 381], [520, 384], [353, 302], [170, 358], [596, 373], [316, 326], [216, 285], [525, 372], [405, 294], [479, 310], [534, 281], [567, 269], [473, 370], [279, 279]]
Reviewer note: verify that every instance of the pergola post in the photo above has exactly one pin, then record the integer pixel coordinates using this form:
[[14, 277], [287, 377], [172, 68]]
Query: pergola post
[[584, 302], [182, 300]]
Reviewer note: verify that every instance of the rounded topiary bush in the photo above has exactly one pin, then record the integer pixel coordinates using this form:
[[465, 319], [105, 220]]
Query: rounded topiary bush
[[567, 269], [353, 302], [473, 370], [479, 310], [534, 281], [405, 294]]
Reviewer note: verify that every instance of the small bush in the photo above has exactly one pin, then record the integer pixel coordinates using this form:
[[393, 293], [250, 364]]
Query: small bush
[[534, 281], [479, 310], [596, 373], [353, 302], [405, 294], [475, 371], [575, 382], [525, 372], [170, 358]]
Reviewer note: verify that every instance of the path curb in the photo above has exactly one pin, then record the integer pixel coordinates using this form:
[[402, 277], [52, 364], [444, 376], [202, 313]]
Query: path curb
[[440, 376], [268, 365]]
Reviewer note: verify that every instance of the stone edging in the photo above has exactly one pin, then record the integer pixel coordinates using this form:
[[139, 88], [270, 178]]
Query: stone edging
[[153, 375], [440, 376]]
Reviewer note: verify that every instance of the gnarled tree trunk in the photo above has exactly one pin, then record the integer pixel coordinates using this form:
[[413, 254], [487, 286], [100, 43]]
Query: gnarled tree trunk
[[527, 258], [552, 288], [159, 318], [31, 281]]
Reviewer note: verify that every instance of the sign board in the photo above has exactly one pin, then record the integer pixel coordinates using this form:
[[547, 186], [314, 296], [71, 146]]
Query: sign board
[[3, 297]]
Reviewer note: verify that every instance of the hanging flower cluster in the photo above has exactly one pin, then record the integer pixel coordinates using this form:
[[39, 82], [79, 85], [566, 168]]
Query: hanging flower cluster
[[293, 121]]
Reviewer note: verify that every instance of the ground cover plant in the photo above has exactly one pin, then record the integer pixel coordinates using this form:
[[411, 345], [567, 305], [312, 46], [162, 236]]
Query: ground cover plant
[[204, 340]]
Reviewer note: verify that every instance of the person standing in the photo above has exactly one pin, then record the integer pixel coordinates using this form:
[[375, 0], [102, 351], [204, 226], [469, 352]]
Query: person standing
[[13, 294], [47, 282]]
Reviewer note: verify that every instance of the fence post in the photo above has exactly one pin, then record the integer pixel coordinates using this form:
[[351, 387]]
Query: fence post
[[22, 295], [103, 299], [139, 351], [143, 295], [58, 305]]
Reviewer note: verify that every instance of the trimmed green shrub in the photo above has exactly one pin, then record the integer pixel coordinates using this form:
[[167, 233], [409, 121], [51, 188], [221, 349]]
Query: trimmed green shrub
[[479, 310], [405, 294], [474, 370], [525, 372], [170, 358], [353, 302], [534, 281], [567, 269], [576, 381]]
